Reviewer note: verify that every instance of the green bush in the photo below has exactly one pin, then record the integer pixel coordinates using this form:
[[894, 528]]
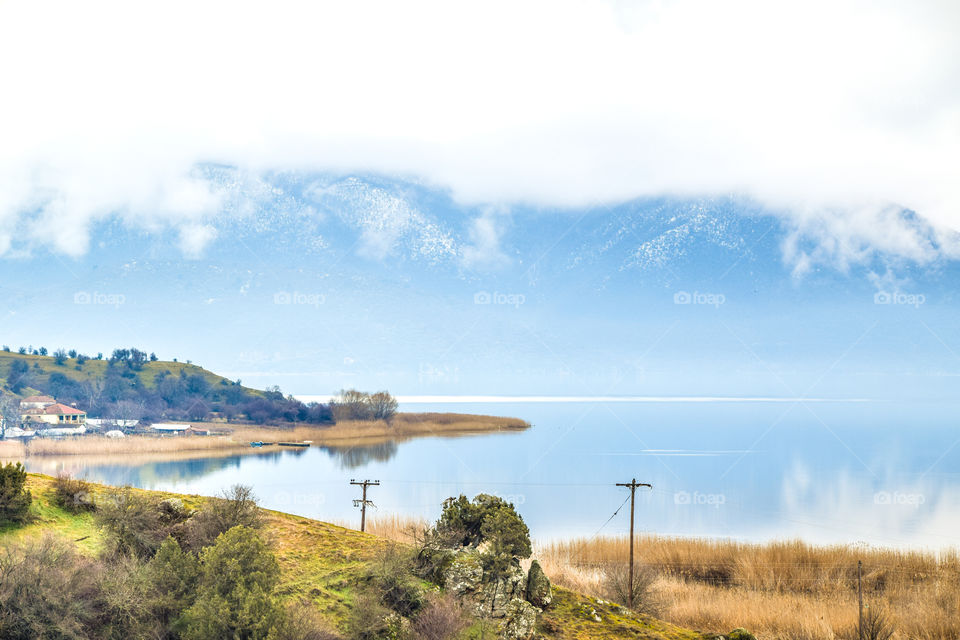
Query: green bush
[[235, 596], [72, 494], [14, 498]]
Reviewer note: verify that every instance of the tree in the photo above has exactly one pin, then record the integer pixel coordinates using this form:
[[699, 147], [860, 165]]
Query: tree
[[235, 597], [19, 376], [383, 406], [174, 574], [153, 357], [59, 357], [72, 353], [14, 498], [9, 413], [43, 351], [22, 350]]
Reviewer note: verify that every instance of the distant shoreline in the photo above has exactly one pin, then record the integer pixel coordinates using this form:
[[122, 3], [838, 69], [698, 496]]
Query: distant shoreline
[[494, 399], [403, 426]]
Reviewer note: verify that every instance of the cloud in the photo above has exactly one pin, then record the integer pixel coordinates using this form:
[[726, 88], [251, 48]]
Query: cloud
[[484, 251], [831, 113]]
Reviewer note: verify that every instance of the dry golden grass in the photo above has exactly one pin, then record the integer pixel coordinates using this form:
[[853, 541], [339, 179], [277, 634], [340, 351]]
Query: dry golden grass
[[780, 590], [396, 528], [100, 445]]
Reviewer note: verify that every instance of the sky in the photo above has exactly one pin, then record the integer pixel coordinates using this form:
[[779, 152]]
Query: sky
[[500, 197]]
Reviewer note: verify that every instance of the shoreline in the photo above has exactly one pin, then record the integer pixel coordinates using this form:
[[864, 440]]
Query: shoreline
[[403, 427]]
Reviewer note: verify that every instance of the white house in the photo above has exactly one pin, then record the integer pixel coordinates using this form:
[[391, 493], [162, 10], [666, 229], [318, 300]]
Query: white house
[[172, 428]]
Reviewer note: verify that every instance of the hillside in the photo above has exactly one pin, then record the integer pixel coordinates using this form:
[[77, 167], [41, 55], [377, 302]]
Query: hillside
[[92, 369], [131, 385], [324, 564]]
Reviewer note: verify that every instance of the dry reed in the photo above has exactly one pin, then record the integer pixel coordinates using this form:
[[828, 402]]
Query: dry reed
[[779, 590]]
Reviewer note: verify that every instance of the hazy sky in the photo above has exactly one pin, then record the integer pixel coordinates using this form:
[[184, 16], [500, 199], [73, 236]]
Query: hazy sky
[[221, 153]]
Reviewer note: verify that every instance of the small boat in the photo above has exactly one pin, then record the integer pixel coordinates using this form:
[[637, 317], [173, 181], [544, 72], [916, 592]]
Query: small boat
[[256, 444], [294, 444]]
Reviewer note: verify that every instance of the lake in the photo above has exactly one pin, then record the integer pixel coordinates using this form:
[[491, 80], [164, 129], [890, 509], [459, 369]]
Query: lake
[[873, 472]]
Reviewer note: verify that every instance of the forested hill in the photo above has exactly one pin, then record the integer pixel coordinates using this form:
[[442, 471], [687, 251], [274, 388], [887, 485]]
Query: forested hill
[[131, 384]]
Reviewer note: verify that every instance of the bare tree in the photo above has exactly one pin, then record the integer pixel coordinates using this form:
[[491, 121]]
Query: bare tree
[[383, 406], [9, 412]]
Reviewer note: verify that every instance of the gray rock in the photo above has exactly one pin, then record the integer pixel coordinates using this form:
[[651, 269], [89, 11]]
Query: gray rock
[[464, 575], [539, 593], [519, 620]]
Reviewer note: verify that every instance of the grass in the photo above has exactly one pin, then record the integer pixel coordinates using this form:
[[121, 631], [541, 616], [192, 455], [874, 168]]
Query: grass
[[43, 366], [779, 590], [403, 426], [323, 564]]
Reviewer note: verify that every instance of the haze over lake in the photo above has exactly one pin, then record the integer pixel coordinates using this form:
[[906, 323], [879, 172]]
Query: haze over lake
[[831, 471]]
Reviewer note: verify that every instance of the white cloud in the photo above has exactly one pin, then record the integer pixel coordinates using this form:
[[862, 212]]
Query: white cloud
[[484, 251], [830, 111], [194, 239]]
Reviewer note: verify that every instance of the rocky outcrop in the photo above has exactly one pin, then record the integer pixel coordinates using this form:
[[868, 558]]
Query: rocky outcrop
[[538, 593], [514, 599]]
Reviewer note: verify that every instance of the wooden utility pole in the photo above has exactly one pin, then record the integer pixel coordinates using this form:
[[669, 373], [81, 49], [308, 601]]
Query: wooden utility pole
[[633, 491], [860, 597], [363, 502]]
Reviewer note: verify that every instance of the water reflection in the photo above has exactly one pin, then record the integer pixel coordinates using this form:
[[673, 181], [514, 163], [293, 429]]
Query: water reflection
[[750, 472], [355, 457]]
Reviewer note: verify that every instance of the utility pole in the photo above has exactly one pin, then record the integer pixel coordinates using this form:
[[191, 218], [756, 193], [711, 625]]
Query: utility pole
[[860, 597], [633, 491], [363, 502]]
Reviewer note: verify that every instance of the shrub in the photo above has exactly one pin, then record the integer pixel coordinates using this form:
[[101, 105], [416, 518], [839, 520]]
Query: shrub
[[442, 619], [234, 507], [645, 597], [14, 498], [368, 620], [234, 599], [303, 622], [392, 579], [133, 522], [46, 591], [73, 494]]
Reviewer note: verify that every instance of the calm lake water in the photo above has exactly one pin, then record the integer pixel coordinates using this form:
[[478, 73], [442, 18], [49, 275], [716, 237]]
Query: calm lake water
[[875, 472]]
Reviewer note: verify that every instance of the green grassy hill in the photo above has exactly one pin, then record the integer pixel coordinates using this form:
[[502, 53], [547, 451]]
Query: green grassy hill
[[43, 366], [324, 564]]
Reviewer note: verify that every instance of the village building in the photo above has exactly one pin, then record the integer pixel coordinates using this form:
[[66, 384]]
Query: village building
[[55, 413]]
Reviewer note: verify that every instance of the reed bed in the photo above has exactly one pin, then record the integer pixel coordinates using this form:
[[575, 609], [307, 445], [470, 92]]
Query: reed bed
[[402, 426], [392, 527], [779, 590]]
